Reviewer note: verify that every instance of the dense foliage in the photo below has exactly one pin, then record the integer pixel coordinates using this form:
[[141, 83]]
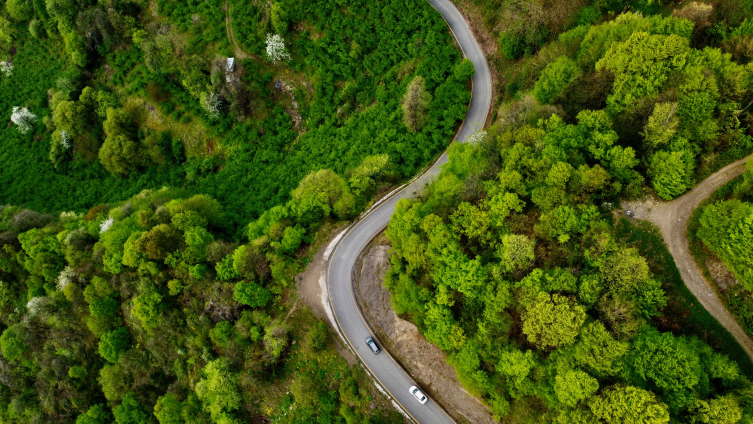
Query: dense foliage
[[510, 265], [680, 108], [720, 232], [143, 312], [134, 96]]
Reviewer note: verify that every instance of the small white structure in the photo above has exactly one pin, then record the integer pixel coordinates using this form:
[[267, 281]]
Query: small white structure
[[230, 64]]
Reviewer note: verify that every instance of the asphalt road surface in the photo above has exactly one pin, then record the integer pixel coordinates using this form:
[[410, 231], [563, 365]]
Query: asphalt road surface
[[339, 275]]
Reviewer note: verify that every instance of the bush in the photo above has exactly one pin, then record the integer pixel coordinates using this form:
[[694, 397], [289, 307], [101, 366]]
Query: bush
[[252, 294]]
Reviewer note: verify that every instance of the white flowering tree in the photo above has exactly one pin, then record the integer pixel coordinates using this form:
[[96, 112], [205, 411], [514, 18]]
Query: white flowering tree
[[276, 50], [105, 225], [212, 103], [6, 68], [23, 119], [66, 276], [65, 139], [476, 137]]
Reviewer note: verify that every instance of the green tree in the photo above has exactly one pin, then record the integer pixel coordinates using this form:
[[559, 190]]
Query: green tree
[[727, 230], [19, 10], [218, 392], [112, 344], [574, 386], [97, 414], [130, 411], [415, 104], [147, 308], [669, 362], [252, 294], [629, 405], [12, 344], [554, 78], [723, 410], [668, 174], [641, 65], [599, 352], [366, 175], [552, 320], [516, 252], [120, 155], [321, 193], [662, 124], [168, 410], [464, 70]]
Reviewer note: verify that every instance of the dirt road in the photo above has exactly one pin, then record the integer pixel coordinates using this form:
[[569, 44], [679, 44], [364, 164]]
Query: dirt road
[[672, 218]]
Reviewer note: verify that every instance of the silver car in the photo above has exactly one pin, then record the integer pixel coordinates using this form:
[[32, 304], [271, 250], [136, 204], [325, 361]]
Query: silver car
[[418, 394], [372, 345]]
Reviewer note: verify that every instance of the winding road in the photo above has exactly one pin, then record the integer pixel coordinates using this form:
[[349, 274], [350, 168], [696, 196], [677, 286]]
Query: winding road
[[672, 218], [350, 321]]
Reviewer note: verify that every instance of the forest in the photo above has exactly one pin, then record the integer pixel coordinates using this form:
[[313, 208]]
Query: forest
[[144, 312], [137, 95], [549, 305], [159, 203]]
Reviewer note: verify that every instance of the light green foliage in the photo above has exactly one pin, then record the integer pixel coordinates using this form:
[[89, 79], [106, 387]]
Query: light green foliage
[[502, 205], [321, 193], [464, 70], [552, 320], [275, 338], [130, 411], [599, 352], [662, 124], [187, 220], [724, 410], [147, 308], [120, 155], [629, 405], [252, 294], [218, 392], [727, 229], [97, 414], [442, 329], [168, 410], [516, 252], [12, 344], [668, 174], [471, 221], [574, 386], [175, 287], [455, 270], [226, 269], [112, 344], [365, 177], [641, 65], [554, 78], [516, 366], [78, 372], [19, 10], [415, 104]]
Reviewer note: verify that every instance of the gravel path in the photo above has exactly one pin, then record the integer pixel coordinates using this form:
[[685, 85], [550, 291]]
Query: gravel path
[[672, 218]]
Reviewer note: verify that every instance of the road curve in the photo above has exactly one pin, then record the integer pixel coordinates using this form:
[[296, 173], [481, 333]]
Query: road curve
[[672, 218], [342, 262]]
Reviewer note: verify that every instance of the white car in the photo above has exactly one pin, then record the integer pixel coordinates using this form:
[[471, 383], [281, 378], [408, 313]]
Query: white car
[[418, 394]]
